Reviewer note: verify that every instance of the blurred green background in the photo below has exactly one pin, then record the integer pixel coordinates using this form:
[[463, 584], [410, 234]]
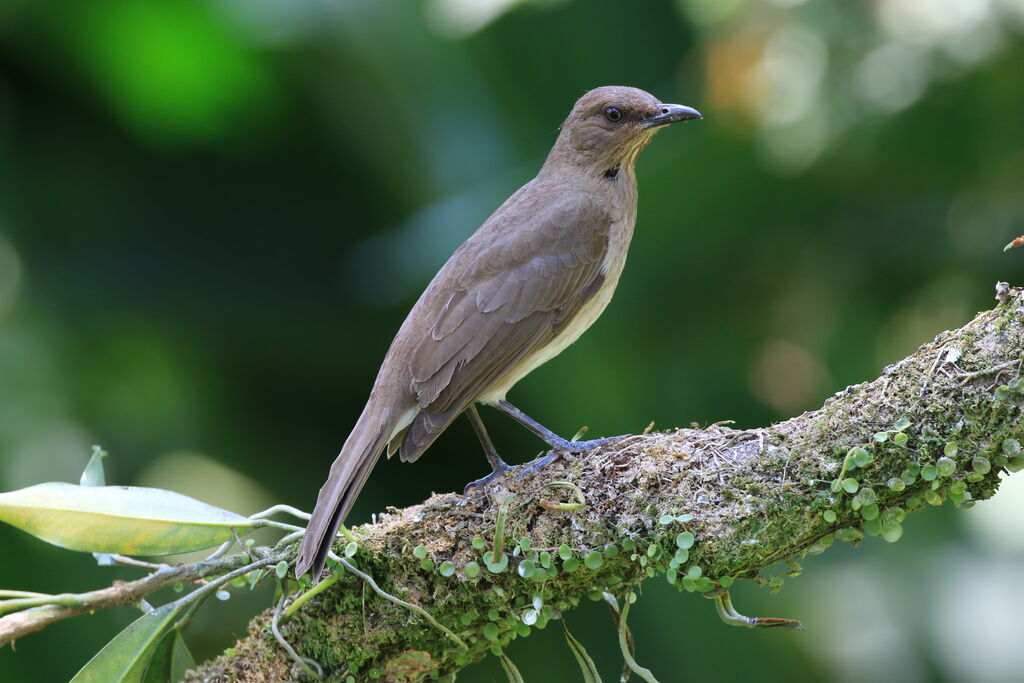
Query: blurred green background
[[215, 215]]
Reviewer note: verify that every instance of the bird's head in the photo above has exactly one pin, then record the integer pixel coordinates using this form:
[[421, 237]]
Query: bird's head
[[608, 127]]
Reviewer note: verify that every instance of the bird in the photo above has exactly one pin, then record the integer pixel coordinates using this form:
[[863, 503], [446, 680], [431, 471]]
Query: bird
[[531, 279]]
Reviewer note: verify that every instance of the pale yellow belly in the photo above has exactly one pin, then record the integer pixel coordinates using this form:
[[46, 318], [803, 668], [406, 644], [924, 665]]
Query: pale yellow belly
[[588, 313]]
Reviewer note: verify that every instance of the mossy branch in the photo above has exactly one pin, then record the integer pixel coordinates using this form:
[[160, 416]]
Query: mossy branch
[[702, 507]]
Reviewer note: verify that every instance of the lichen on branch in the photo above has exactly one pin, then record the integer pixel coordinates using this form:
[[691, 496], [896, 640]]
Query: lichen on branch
[[700, 507]]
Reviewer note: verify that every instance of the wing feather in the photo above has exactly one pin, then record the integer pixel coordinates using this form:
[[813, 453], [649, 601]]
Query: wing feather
[[513, 294]]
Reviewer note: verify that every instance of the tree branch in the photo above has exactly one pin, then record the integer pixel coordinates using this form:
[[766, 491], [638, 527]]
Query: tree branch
[[53, 608], [940, 424]]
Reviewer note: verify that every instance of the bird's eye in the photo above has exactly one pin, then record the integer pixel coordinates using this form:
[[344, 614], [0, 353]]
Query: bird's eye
[[613, 114]]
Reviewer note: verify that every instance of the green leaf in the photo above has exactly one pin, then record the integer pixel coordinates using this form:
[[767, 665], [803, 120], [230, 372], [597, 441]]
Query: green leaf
[[901, 424], [510, 670], [893, 516], [93, 474], [594, 560], [866, 495], [872, 527], [945, 466], [684, 540], [893, 533], [126, 657], [119, 519], [526, 568], [447, 568], [170, 661], [471, 570], [496, 567], [587, 667], [862, 457], [850, 485], [900, 439]]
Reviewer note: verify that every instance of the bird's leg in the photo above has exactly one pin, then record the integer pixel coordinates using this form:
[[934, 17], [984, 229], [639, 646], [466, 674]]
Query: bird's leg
[[549, 437], [498, 466]]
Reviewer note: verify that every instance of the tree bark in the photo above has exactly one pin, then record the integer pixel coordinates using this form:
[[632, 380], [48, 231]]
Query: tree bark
[[939, 425]]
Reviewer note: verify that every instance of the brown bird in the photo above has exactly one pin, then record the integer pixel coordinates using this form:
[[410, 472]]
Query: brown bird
[[521, 289]]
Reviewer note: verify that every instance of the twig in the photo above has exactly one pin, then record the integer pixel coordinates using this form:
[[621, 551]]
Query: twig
[[624, 646], [613, 603], [398, 601], [968, 376], [294, 512], [21, 594], [38, 613], [311, 593], [126, 561], [310, 666]]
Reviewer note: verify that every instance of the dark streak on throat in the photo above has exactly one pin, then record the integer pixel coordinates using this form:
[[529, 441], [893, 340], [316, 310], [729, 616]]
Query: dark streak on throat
[[612, 172]]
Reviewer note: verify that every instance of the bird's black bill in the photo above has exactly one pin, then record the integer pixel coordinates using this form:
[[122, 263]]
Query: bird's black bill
[[671, 113]]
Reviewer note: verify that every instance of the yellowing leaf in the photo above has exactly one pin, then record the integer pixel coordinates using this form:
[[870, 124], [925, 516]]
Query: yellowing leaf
[[118, 519]]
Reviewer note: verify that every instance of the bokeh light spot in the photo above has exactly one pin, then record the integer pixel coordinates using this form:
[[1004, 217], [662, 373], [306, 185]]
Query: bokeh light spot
[[173, 70]]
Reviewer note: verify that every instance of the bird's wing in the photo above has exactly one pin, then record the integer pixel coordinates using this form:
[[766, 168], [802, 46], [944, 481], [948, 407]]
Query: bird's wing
[[516, 290]]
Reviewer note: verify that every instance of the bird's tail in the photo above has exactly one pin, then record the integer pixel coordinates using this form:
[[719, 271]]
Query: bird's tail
[[348, 474]]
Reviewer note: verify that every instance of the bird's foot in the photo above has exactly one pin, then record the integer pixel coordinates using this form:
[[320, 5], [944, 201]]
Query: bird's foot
[[518, 470], [484, 481], [566, 446], [730, 616]]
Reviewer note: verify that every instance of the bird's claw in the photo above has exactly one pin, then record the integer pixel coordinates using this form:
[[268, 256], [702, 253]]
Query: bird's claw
[[567, 446], [517, 470]]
